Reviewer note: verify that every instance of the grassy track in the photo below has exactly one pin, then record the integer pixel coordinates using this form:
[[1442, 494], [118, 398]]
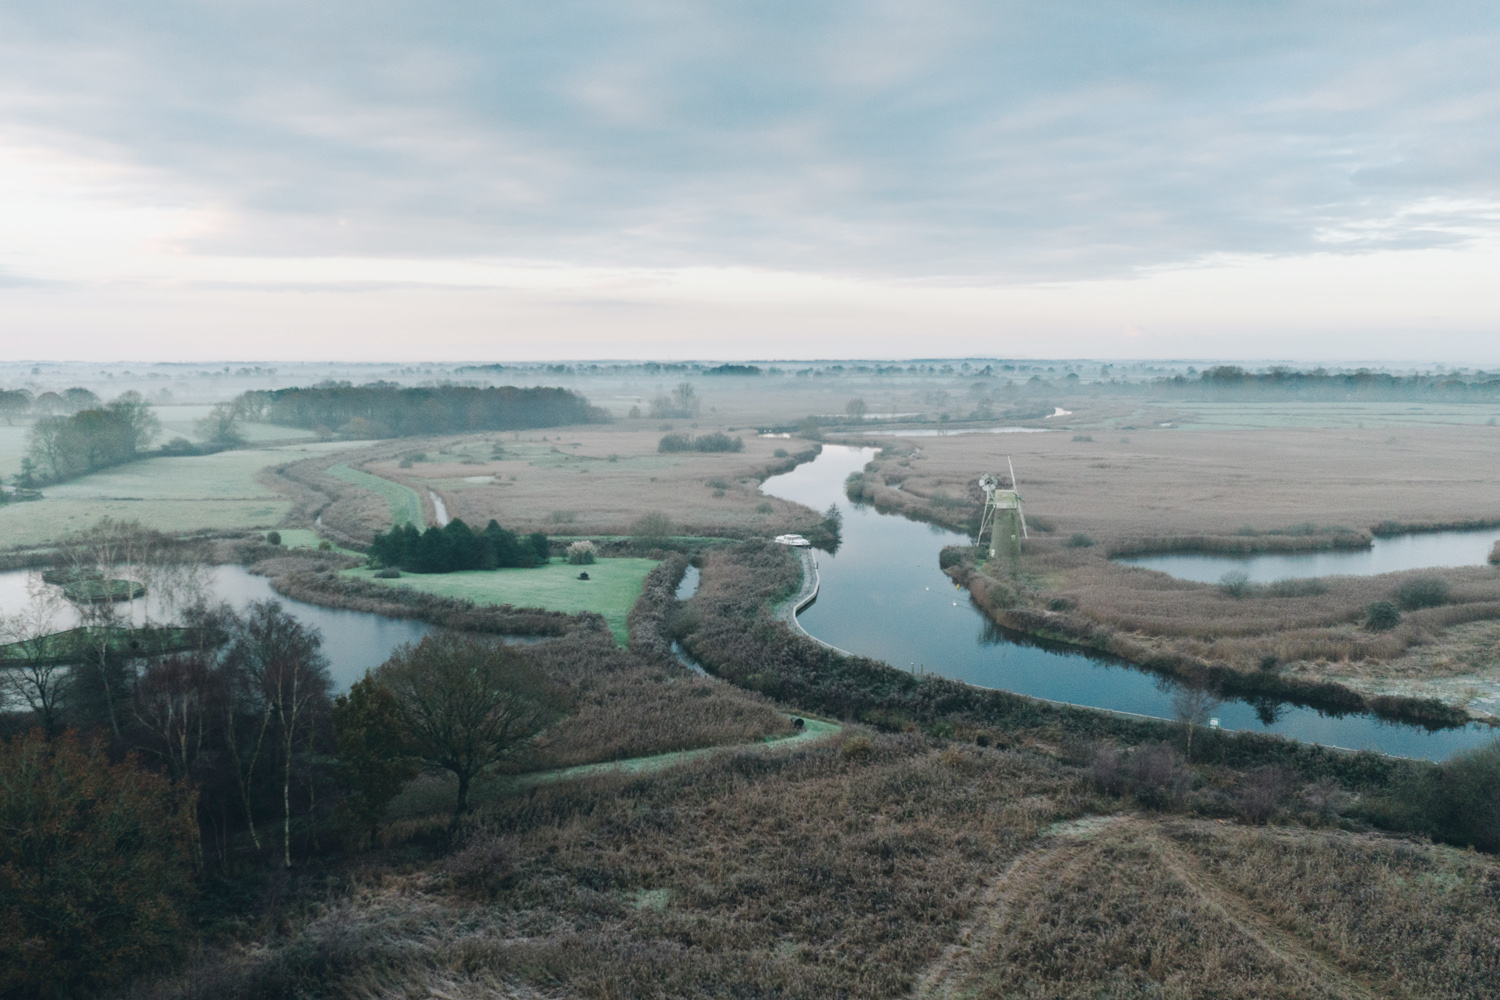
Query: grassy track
[[611, 590], [406, 506], [813, 729]]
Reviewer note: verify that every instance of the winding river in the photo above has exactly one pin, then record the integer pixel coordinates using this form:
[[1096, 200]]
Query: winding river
[[882, 595]]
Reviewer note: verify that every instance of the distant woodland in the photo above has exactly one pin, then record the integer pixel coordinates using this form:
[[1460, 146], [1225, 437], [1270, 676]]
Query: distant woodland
[[389, 410]]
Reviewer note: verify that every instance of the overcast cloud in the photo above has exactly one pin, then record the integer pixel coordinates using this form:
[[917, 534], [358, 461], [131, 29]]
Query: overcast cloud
[[155, 149]]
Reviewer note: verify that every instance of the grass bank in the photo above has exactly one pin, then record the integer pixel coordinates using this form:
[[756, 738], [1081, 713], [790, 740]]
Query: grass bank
[[405, 505], [611, 589]]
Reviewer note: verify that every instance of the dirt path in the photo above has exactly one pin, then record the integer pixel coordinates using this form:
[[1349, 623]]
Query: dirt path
[[1056, 847], [1285, 945]]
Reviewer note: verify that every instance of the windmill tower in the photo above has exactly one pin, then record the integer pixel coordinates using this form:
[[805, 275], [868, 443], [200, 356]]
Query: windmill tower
[[1004, 519]]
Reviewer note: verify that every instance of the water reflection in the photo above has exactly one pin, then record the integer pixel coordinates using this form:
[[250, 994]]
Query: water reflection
[[353, 641], [883, 596], [1424, 550]]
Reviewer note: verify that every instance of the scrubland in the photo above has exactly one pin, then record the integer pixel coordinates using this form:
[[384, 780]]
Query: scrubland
[[1229, 492], [581, 481]]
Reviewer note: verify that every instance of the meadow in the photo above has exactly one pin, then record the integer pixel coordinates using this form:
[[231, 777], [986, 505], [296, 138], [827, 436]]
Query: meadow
[[611, 589], [223, 491]]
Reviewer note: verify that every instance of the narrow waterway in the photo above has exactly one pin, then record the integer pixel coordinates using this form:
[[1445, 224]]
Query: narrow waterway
[[1422, 550], [353, 641], [883, 596]]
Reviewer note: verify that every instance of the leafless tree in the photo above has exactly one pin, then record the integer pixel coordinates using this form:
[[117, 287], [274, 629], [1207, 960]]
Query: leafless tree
[[468, 703], [31, 671], [1193, 705], [280, 682]]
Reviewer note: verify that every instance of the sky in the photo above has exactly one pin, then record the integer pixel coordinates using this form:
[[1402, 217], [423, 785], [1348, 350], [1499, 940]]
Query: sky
[[568, 180]]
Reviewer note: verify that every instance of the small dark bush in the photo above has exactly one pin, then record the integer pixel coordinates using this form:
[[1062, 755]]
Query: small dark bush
[[1079, 540], [273, 538], [1382, 616], [717, 441], [483, 868], [389, 573], [780, 453], [1158, 776], [1235, 583], [1083, 437], [1262, 793], [1422, 592], [1296, 588]]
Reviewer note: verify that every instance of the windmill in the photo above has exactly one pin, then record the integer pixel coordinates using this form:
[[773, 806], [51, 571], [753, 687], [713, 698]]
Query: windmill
[[1004, 518]]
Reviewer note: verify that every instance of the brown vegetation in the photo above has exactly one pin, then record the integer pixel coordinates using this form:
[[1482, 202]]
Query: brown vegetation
[[1228, 493], [600, 480], [880, 866]]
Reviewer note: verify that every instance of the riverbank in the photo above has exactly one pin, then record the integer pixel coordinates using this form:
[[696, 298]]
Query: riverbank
[[1306, 641]]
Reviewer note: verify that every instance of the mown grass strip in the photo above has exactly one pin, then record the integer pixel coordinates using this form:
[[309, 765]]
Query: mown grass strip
[[406, 506]]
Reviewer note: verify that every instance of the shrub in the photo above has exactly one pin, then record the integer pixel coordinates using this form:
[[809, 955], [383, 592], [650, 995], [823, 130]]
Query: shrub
[[1297, 588], [94, 867], [718, 483], [1422, 592], [1262, 792], [1382, 616], [389, 573], [1235, 583], [857, 748], [764, 507], [782, 453], [1079, 541], [717, 441], [483, 867], [273, 538], [1083, 437], [325, 546], [650, 530], [582, 553]]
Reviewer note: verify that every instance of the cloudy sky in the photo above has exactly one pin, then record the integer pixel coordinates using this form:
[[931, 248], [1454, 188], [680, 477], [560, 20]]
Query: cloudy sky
[[720, 179]]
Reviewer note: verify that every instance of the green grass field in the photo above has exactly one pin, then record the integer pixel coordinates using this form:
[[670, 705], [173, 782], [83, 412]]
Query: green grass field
[[406, 506], [611, 589], [170, 494]]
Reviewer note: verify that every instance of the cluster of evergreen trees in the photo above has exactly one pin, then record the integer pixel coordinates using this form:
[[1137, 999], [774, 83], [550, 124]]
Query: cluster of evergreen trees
[[456, 547], [388, 410]]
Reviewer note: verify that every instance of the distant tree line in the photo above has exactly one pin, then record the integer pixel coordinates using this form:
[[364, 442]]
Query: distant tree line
[[456, 547], [389, 410], [92, 438], [717, 441]]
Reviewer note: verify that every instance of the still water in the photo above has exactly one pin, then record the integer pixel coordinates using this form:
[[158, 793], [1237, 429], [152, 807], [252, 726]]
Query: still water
[[353, 641], [1387, 555], [883, 596]]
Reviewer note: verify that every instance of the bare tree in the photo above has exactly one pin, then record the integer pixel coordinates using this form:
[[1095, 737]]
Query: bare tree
[[31, 670], [468, 703], [281, 681], [1193, 705]]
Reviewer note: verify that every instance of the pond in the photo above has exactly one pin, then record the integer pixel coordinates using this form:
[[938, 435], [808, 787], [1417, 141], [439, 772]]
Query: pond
[[1424, 550], [883, 596], [353, 641], [689, 585]]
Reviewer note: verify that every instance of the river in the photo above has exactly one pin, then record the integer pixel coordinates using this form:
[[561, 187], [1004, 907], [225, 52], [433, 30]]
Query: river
[[882, 595], [353, 641]]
